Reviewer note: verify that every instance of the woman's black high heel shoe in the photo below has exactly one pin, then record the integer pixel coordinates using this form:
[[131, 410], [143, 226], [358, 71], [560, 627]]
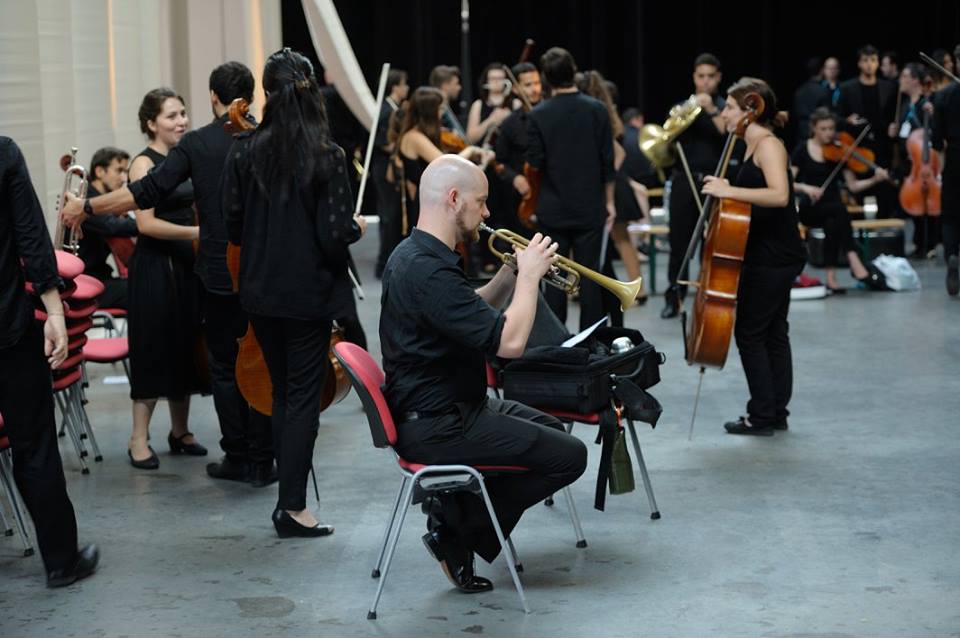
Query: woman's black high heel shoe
[[177, 446], [288, 527]]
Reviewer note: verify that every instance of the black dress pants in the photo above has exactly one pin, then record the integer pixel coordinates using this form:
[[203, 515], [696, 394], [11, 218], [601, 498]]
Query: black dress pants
[[26, 403], [388, 208], [762, 334], [585, 244], [245, 433], [495, 432], [297, 355], [834, 219], [683, 221], [950, 208]]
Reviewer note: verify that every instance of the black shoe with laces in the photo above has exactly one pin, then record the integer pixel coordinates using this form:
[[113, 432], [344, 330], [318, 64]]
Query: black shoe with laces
[[456, 562], [263, 474], [84, 564], [229, 470], [743, 426]]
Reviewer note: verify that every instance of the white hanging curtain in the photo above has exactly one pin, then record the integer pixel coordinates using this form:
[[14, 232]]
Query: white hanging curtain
[[335, 53]]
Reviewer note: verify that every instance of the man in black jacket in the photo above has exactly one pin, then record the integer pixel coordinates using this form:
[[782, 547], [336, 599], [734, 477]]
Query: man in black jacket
[[246, 436], [946, 139], [27, 352], [511, 145], [570, 141]]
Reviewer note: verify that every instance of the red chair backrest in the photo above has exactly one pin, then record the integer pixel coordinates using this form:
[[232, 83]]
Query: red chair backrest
[[122, 249], [367, 378]]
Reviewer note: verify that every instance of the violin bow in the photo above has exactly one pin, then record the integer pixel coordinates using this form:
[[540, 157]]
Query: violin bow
[[846, 156], [926, 58]]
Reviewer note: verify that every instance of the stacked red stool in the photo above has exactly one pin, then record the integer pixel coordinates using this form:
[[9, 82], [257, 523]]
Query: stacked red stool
[[13, 497]]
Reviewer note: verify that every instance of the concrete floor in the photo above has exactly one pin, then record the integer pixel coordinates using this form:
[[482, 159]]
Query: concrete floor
[[847, 525]]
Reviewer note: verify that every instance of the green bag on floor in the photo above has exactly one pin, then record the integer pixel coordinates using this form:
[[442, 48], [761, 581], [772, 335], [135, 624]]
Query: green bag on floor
[[621, 469]]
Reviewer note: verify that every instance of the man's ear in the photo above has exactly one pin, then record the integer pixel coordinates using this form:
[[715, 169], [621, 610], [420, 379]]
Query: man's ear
[[453, 197], [98, 172]]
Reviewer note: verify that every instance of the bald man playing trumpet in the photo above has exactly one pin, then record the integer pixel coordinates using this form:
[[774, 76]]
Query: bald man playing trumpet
[[435, 332]]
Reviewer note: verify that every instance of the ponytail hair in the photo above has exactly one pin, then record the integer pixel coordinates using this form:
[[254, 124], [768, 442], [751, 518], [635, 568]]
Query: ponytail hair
[[771, 117]]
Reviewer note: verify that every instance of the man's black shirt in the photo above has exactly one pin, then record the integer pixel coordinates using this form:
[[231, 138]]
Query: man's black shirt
[[435, 330], [199, 156], [23, 236], [511, 146], [571, 142], [94, 248]]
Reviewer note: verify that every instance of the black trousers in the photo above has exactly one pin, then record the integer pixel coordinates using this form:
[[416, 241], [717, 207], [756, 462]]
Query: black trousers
[[762, 334], [26, 403], [388, 208], [297, 355], [683, 221], [495, 432], [245, 433], [950, 210], [834, 219], [585, 244]]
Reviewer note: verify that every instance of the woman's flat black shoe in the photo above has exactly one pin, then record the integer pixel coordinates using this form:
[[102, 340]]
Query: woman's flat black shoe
[[152, 462], [288, 527], [177, 446]]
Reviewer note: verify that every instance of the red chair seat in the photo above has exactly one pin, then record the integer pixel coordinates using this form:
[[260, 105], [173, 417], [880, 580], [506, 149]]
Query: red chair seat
[[75, 328], [410, 466], [77, 342], [114, 312], [108, 350], [590, 417], [69, 363], [88, 288], [4, 443], [80, 310], [69, 266], [64, 382]]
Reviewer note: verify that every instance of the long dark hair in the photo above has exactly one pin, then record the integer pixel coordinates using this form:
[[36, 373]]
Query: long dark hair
[[294, 136], [421, 111]]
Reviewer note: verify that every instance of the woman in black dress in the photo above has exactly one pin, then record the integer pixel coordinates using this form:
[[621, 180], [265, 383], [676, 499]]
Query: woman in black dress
[[774, 256], [821, 207], [164, 294], [287, 203]]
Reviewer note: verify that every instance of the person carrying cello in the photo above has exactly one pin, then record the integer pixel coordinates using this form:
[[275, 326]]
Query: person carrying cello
[[774, 256], [946, 140]]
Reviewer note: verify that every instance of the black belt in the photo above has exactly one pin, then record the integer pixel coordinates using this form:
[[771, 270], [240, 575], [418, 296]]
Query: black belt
[[413, 415]]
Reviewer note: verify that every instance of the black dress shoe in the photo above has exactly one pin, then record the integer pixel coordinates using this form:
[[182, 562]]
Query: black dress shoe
[[152, 462], [456, 563], [742, 426], [953, 276], [229, 470], [84, 565], [177, 446], [670, 311], [263, 474], [288, 527], [781, 425]]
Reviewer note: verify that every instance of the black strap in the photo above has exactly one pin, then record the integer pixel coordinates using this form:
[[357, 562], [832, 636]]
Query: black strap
[[607, 434]]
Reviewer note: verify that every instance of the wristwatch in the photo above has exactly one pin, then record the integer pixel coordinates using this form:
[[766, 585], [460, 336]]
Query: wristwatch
[[87, 208]]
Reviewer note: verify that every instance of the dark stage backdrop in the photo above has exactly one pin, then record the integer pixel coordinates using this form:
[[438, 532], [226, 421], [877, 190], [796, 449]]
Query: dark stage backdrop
[[646, 48]]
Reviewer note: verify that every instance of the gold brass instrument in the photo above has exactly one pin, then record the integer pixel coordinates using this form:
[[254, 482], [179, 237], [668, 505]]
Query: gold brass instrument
[[565, 273], [75, 183], [656, 142]]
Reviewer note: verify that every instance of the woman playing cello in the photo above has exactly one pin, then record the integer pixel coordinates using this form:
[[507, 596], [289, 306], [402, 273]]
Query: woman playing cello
[[774, 256]]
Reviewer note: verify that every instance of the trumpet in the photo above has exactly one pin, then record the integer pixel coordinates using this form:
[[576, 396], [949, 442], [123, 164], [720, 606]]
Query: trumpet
[[75, 183], [565, 273]]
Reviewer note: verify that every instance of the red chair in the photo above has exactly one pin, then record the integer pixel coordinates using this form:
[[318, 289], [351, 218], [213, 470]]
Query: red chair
[[9, 486], [592, 418], [367, 378]]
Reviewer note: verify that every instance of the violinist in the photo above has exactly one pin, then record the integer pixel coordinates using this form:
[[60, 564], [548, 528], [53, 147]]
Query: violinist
[[511, 144], [418, 143], [915, 82], [774, 256], [447, 80], [492, 108], [869, 99], [571, 144], [940, 79], [287, 201], [820, 206], [946, 140]]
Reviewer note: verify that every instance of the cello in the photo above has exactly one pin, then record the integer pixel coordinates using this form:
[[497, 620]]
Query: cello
[[920, 192], [253, 378], [707, 338]]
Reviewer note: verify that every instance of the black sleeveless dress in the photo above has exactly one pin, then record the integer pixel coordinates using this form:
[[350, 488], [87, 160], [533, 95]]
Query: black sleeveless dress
[[164, 306], [412, 171]]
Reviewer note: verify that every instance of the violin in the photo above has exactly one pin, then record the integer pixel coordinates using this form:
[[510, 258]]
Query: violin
[[253, 378], [859, 159], [707, 337], [920, 192]]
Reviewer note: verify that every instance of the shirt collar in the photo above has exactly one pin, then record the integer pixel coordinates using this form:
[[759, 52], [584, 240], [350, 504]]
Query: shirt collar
[[434, 246]]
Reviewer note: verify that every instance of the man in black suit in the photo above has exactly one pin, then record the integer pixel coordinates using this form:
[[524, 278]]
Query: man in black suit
[[869, 99]]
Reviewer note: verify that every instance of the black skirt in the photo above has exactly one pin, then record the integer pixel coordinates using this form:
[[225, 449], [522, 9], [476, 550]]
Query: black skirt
[[167, 354]]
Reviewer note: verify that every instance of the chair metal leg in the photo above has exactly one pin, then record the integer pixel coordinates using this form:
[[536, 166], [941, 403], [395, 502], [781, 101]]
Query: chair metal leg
[[78, 406], [515, 555], [386, 533], [508, 555], [6, 474], [68, 425], [372, 614], [7, 530], [654, 512], [574, 518]]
